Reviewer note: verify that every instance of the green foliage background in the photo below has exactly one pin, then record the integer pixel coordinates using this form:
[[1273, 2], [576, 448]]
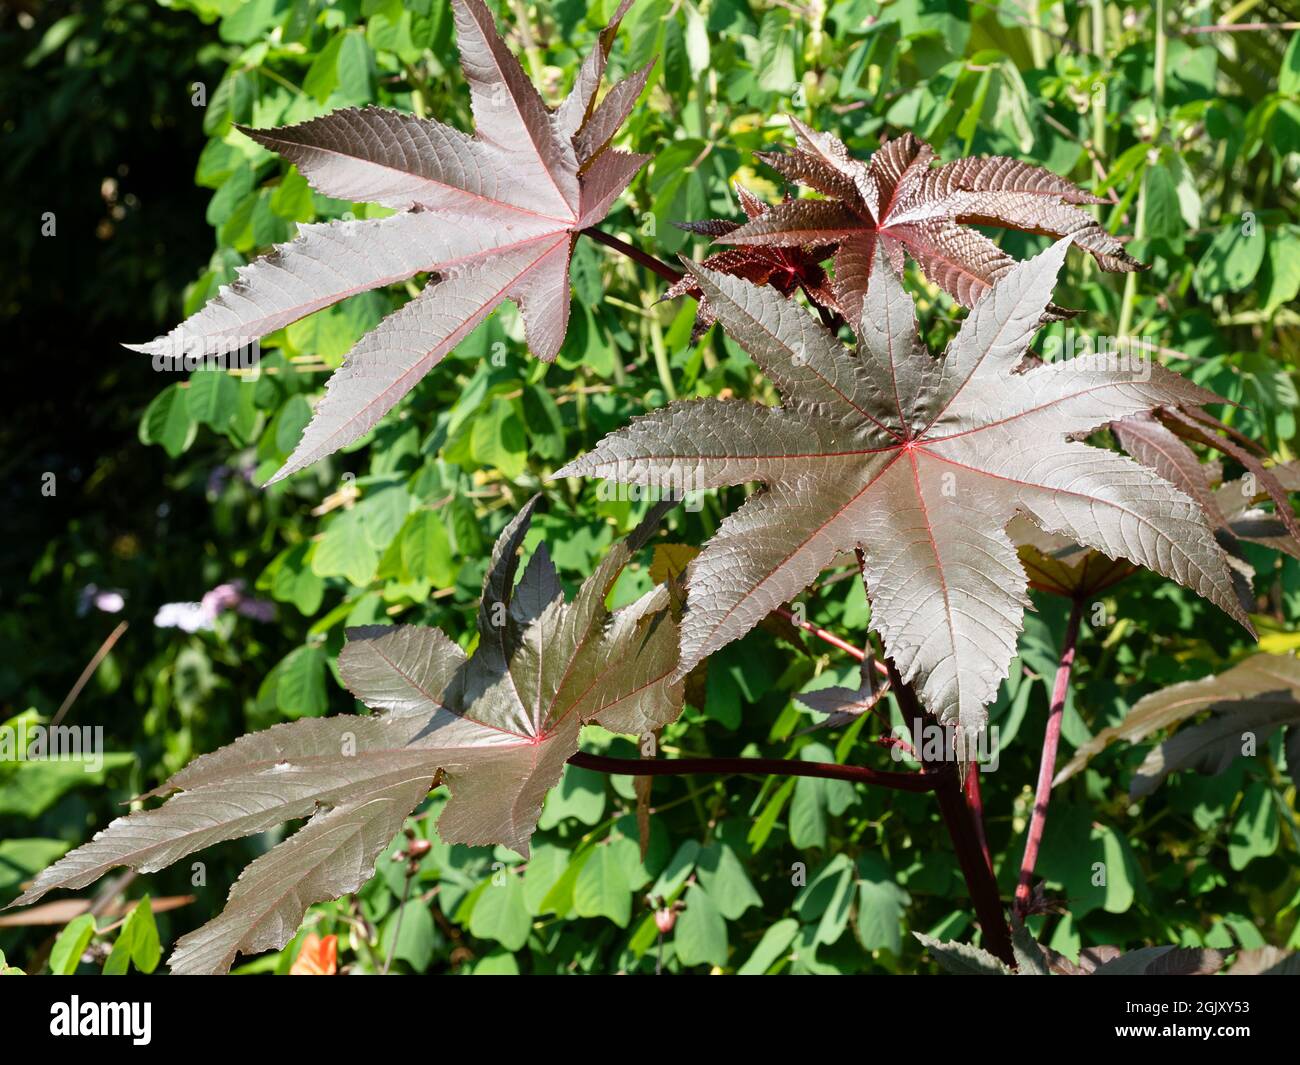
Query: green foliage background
[[1203, 161]]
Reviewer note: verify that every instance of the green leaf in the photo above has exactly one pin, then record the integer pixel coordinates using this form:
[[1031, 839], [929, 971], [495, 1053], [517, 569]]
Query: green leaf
[[323, 76], [814, 799], [700, 936], [881, 906], [1288, 78], [53, 39], [356, 83], [416, 938], [1255, 830], [602, 887], [776, 72], [71, 943], [545, 868], [580, 795], [32, 786], [344, 551], [300, 686], [774, 944], [808, 814], [1281, 273], [426, 549], [1161, 213], [137, 942], [23, 858], [497, 439], [290, 579], [498, 963], [542, 419], [723, 876], [1232, 259], [766, 821], [383, 513], [679, 867], [289, 423], [167, 421], [827, 899], [501, 912], [212, 398]]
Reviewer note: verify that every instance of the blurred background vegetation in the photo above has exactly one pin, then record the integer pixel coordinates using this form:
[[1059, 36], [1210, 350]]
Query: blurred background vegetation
[[117, 122]]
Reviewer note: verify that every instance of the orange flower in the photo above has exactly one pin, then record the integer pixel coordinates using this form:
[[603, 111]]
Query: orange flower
[[317, 957]]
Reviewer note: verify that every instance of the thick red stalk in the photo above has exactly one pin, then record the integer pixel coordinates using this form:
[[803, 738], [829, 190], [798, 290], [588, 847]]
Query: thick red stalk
[[976, 802], [783, 767], [1047, 761], [647, 260], [962, 829]]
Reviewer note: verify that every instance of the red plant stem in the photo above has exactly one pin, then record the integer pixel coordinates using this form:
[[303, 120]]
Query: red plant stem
[[829, 637], [976, 803], [783, 767], [1047, 762], [960, 823], [647, 260]]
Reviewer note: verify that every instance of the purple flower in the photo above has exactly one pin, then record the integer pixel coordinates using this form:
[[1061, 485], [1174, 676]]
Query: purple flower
[[189, 617], [193, 617], [106, 600], [224, 597]]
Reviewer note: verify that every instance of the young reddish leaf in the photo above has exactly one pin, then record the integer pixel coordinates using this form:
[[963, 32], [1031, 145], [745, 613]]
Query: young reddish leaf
[[846, 705], [919, 462], [490, 217], [1237, 501], [1194, 424], [895, 203], [497, 727], [784, 268]]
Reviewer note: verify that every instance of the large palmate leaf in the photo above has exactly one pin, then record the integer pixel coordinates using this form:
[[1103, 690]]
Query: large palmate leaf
[[920, 463], [496, 727], [1256, 696], [896, 203], [1058, 565], [1229, 508], [490, 217]]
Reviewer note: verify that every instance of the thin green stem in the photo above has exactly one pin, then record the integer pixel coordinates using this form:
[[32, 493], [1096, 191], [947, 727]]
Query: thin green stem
[[397, 925], [1139, 229], [662, 367]]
